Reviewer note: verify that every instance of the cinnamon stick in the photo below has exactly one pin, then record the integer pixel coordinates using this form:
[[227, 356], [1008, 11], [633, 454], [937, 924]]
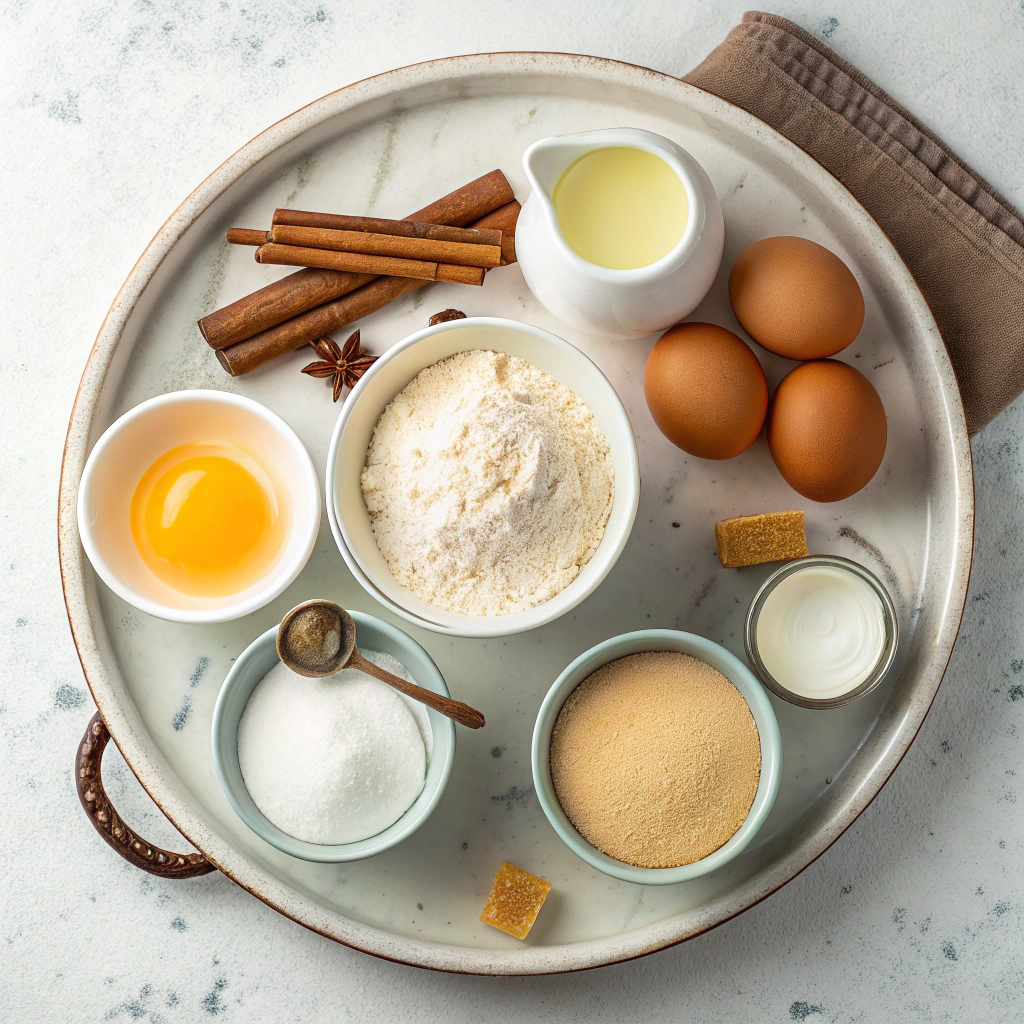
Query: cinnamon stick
[[383, 226], [469, 203], [246, 236], [294, 295], [504, 219], [354, 262], [460, 275], [277, 303], [371, 266], [373, 243], [286, 337]]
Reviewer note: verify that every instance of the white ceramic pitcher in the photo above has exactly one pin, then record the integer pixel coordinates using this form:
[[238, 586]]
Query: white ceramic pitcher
[[599, 300]]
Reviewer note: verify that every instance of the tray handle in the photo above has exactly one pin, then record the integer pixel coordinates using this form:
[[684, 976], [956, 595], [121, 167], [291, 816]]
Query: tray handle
[[89, 780]]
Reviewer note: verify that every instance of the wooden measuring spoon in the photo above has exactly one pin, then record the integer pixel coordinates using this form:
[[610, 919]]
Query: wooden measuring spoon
[[318, 638]]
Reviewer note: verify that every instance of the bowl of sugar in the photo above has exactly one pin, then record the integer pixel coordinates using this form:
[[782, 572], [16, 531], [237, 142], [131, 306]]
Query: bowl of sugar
[[657, 756], [334, 769]]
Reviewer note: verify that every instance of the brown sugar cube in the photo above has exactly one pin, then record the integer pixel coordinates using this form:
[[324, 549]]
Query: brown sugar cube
[[768, 537], [515, 900]]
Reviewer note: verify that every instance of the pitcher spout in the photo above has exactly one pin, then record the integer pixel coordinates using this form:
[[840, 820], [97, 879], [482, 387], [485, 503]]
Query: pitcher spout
[[546, 161]]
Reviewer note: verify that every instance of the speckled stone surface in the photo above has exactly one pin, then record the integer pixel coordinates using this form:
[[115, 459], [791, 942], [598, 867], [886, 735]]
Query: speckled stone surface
[[113, 114]]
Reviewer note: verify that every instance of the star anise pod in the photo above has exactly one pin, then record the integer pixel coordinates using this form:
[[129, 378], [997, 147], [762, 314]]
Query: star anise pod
[[346, 365]]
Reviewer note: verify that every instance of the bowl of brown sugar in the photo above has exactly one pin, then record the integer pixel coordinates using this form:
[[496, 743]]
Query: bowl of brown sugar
[[657, 756]]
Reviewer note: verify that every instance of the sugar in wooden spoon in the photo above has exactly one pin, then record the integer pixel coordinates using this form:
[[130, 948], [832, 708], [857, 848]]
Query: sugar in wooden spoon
[[318, 638]]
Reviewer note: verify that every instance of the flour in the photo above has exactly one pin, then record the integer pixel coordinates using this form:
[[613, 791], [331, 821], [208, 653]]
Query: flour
[[488, 484]]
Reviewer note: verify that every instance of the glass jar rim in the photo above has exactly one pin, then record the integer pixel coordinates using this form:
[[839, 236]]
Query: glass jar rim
[[885, 658]]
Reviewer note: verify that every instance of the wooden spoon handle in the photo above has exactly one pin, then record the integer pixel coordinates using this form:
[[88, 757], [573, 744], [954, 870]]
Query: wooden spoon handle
[[453, 709]]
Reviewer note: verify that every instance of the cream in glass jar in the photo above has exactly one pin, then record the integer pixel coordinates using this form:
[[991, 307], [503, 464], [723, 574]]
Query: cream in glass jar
[[821, 631]]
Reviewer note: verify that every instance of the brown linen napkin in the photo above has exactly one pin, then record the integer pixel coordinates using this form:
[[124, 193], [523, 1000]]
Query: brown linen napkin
[[962, 241]]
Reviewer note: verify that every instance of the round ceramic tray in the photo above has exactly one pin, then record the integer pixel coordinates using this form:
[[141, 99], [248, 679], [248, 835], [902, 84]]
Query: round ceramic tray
[[386, 146]]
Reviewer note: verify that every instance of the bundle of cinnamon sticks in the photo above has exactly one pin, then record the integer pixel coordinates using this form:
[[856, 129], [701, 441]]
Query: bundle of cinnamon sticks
[[357, 265]]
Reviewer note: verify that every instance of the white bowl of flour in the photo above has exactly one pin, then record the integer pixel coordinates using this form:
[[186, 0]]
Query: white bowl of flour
[[443, 539]]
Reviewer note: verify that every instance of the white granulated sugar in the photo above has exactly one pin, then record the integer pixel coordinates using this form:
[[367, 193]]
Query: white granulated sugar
[[331, 760], [488, 484]]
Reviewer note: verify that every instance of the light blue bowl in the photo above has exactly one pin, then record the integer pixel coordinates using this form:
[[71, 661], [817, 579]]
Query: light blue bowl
[[635, 643], [253, 664]]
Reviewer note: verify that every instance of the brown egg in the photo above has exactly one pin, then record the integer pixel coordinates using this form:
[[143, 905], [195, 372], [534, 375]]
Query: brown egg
[[796, 298], [827, 430], [706, 390]]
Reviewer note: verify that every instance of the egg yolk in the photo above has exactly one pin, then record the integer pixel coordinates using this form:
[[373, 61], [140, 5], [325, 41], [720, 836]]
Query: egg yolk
[[204, 518]]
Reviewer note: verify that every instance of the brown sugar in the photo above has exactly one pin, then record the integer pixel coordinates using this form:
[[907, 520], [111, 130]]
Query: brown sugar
[[655, 759], [515, 900], [768, 537]]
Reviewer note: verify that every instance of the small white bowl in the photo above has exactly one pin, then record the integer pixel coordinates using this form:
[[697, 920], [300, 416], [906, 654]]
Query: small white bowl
[[346, 509], [129, 447]]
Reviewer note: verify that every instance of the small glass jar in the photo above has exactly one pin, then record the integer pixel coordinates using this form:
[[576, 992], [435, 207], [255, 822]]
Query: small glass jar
[[889, 642]]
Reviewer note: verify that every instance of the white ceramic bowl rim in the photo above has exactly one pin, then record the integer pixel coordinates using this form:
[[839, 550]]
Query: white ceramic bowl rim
[[257, 600], [635, 138], [768, 732], [626, 484], [427, 675]]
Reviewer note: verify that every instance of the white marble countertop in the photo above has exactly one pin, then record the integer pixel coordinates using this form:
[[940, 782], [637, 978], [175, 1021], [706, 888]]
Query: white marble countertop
[[112, 113]]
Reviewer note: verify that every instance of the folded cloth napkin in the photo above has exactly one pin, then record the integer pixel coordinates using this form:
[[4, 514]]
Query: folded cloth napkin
[[962, 241]]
